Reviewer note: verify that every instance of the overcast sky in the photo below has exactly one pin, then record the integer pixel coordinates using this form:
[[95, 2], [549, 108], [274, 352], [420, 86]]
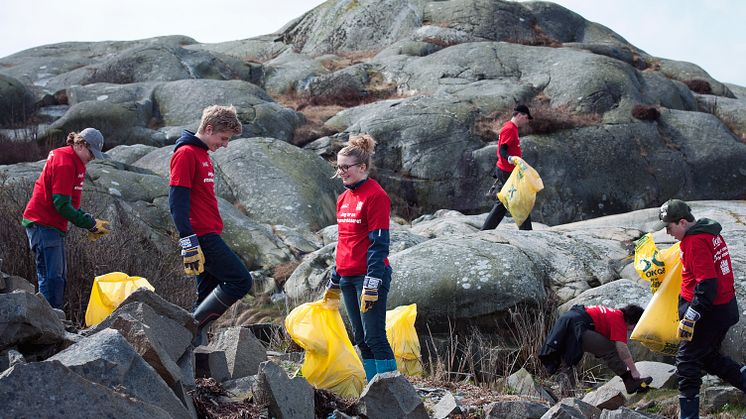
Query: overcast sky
[[708, 33]]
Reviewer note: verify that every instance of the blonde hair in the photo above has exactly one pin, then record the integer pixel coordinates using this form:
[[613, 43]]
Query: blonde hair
[[75, 138], [361, 147], [222, 118]]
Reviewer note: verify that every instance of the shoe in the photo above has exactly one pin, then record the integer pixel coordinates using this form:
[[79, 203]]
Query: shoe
[[636, 385], [212, 307]]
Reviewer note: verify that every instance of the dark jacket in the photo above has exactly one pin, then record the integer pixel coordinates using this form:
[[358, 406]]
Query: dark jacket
[[565, 340]]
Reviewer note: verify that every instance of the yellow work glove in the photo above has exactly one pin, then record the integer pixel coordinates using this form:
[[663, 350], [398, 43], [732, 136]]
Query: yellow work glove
[[191, 252], [100, 229], [370, 293], [686, 325]]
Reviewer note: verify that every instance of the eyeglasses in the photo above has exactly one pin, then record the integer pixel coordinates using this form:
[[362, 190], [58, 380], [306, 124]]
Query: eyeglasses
[[345, 167]]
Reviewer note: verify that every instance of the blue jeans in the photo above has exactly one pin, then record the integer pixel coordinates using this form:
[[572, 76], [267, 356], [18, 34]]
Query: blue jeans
[[369, 328], [48, 245], [222, 268]]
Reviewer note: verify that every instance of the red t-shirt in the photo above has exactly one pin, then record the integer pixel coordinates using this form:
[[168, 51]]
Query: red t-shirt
[[608, 322], [706, 256], [63, 174], [192, 168], [509, 136], [359, 212]]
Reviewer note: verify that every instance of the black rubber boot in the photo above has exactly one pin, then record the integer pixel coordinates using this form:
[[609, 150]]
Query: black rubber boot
[[636, 385], [689, 407], [213, 306]]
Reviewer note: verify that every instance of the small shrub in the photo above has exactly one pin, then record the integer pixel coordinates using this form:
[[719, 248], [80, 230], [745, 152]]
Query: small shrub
[[699, 86], [23, 149], [646, 112]]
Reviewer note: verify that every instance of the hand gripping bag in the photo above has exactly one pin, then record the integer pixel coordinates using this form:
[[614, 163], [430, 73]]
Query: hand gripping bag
[[519, 192], [656, 329], [331, 362], [108, 292], [653, 264], [402, 336]]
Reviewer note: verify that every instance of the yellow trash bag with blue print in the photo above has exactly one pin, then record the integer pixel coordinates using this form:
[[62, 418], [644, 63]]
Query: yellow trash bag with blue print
[[108, 292], [402, 337], [656, 329], [331, 362], [518, 195]]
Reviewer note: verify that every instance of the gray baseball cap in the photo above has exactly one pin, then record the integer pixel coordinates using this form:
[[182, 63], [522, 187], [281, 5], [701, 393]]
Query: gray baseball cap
[[672, 211], [95, 141]]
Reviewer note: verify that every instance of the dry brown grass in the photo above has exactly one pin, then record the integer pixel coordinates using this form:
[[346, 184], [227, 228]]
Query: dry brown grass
[[699, 86], [646, 112], [547, 120]]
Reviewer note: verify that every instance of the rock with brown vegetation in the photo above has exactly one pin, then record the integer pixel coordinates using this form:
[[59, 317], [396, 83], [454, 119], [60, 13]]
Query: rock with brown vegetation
[[73, 395], [287, 397], [28, 319], [243, 351], [107, 358], [390, 395]]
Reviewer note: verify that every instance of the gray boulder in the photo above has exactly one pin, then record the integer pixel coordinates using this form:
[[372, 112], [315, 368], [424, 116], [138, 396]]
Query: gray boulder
[[571, 408], [11, 283], [211, 363], [523, 384], [243, 351], [463, 278], [515, 409], [277, 183], [27, 381], [290, 73], [28, 319], [181, 104], [624, 413], [390, 395], [108, 359], [16, 101], [287, 397]]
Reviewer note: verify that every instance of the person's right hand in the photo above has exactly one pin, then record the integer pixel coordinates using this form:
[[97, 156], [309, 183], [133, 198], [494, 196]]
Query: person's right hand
[[686, 325], [332, 295], [191, 252], [513, 160]]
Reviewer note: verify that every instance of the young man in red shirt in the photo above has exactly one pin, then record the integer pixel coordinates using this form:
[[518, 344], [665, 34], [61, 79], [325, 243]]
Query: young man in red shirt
[[508, 147], [601, 331], [707, 304], [222, 279], [55, 202]]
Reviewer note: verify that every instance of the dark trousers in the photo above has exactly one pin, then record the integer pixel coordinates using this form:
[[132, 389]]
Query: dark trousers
[[605, 350], [48, 246], [498, 210], [369, 328], [703, 351], [222, 268]]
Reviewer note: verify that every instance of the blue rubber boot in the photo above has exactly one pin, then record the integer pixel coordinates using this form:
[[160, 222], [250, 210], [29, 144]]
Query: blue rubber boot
[[385, 365], [369, 365], [689, 407]]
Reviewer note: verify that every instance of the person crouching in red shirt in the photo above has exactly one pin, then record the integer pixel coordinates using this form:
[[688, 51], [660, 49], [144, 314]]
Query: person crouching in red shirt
[[55, 202], [222, 279], [362, 271]]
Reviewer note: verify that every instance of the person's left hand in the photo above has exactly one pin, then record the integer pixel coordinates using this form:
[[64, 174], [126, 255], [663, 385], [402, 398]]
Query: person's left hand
[[686, 325], [100, 229]]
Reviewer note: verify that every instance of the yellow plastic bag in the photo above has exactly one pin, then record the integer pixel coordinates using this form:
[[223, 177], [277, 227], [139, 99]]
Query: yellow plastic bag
[[331, 362], [519, 192], [652, 264], [403, 339], [656, 329], [108, 292]]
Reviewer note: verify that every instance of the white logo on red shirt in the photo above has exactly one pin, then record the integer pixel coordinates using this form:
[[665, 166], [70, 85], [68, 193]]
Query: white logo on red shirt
[[724, 267], [359, 206]]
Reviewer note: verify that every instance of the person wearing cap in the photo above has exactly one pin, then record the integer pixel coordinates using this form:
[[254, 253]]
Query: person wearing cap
[[508, 148], [222, 279], [707, 303], [599, 330], [54, 202]]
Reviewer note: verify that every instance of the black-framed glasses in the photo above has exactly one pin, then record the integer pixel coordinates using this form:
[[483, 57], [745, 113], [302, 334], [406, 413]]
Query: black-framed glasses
[[345, 167]]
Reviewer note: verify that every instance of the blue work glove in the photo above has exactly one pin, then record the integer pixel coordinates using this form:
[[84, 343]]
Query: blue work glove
[[191, 252], [686, 325], [370, 293]]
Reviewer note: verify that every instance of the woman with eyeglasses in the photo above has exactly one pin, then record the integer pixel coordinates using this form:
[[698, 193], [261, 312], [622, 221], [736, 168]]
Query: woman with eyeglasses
[[55, 202], [362, 273]]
